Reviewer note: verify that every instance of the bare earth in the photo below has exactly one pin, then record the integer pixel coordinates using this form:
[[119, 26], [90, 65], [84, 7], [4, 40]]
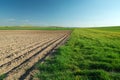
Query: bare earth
[[21, 49]]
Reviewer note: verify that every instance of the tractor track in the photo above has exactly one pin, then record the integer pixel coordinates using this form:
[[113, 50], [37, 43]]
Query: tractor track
[[12, 56], [18, 63], [28, 75], [19, 70]]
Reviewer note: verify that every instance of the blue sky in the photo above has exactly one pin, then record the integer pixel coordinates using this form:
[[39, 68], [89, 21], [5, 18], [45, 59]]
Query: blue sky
[[74, 13]]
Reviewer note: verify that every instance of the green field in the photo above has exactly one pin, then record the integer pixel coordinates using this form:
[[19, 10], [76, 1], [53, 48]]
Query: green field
[[115, 28], [90, 54], [33, 28]]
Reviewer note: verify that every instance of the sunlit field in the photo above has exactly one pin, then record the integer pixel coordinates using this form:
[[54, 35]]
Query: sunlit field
[[22, 47], [59, 39], [34, 28], [89, 54]]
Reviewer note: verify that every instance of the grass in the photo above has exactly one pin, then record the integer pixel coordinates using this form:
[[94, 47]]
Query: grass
[[33, 28], [112, 28], [90, 54], [2, 76]]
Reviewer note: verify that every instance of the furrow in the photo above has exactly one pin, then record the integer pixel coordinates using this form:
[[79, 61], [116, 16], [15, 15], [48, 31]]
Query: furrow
[[19, 70], [26, 54], [14, 54]]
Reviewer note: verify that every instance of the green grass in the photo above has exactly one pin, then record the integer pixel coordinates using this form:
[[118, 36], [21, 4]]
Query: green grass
[[33, 28], [90, 54], [2, 76], [112, 28]]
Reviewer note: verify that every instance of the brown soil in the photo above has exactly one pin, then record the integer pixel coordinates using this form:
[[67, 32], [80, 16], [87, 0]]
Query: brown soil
[[21, 49]]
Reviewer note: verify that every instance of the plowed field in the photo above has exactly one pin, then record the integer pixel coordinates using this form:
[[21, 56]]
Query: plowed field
[[21, 49]]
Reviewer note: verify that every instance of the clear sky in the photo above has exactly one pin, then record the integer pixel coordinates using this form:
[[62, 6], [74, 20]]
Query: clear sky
[[75, 13]]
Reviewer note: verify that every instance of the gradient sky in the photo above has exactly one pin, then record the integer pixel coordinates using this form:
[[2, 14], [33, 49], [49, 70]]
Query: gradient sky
[[75, 13]]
